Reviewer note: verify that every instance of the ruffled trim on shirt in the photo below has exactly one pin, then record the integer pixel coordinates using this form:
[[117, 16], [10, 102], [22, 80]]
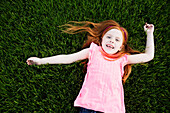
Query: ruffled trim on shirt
[[123, 63], [92, 49]]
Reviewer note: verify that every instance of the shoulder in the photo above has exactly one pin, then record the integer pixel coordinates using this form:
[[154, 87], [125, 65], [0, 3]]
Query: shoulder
[[93, 47], [124, 59]]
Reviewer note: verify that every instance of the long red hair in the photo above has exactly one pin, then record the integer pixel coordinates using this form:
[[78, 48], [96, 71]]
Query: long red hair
[[95, 33]]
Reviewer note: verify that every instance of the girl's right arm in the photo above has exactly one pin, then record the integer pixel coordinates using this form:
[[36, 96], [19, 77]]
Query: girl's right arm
[[60, 59]]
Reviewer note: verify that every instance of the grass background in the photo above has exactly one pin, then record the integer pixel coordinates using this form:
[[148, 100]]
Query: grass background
[[29, 28]]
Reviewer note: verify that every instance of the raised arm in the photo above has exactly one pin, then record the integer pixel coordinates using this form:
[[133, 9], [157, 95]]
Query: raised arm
[[60, 59], [149, 51]]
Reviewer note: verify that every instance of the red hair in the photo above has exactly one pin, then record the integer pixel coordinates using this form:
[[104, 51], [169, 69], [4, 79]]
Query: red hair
[[95, 33]]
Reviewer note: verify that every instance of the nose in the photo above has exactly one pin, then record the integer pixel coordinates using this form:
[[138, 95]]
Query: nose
[[111, 41]]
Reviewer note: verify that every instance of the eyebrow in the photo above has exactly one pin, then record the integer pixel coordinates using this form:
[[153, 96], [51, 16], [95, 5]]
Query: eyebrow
[[108, 34]]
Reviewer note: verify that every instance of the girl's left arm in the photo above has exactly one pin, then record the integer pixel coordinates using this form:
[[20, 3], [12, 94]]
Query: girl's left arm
[[149, 51]]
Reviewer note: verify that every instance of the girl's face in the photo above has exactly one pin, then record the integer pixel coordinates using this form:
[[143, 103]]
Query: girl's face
[[112, 41]]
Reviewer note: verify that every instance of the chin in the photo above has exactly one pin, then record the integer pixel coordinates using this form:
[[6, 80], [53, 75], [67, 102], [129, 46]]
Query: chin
[[111, 52]]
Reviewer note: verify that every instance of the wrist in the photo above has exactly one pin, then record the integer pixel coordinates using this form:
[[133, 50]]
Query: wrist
[[149, 32], [38, 61]]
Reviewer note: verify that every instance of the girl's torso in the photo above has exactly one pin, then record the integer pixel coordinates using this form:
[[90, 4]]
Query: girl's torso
[[102, 89]]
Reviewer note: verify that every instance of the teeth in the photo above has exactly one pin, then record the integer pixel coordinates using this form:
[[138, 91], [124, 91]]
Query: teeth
[[109, 46]]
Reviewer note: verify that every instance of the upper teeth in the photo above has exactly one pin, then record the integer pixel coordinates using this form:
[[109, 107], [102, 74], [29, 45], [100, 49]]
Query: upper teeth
[[110, 46]]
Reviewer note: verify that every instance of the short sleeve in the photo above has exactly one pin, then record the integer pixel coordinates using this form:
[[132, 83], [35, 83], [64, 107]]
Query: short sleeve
[[123, 63], [92, 50], [124, 60]]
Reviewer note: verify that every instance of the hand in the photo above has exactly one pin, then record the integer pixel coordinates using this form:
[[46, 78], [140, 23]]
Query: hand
[[33, 60], [149, 28]]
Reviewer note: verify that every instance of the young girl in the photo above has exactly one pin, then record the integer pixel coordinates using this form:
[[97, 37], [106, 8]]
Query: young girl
[[109, 58]]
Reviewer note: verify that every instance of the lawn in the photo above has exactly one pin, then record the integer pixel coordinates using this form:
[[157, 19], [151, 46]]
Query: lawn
[[30, 28]]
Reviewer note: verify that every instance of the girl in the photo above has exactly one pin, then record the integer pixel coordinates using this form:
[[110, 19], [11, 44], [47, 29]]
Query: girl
[[109, 58]]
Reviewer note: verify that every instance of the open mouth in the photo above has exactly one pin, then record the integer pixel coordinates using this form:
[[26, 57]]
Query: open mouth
[[110, 46]]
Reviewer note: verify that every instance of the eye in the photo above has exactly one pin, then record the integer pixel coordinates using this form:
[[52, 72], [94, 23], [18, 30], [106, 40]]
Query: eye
[[117, 39], [109, 37]]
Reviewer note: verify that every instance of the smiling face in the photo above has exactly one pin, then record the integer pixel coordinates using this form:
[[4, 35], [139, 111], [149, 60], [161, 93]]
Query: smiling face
[[112, 41]]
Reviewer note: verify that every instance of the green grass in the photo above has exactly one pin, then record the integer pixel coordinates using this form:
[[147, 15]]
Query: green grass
[[29, 28]]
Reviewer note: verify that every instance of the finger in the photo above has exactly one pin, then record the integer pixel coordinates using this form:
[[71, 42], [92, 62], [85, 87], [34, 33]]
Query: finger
[[27, 62], [147, 26], [30, 62], [150, 26]]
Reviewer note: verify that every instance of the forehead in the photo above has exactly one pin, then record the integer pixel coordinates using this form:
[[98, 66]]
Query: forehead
[[114, 32]]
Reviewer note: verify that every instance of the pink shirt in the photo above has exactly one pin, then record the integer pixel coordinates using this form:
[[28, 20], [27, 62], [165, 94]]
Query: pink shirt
[[102, 89]]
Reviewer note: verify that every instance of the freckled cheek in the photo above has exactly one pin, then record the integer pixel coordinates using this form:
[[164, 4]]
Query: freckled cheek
[[119, 45], [104, 41]]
